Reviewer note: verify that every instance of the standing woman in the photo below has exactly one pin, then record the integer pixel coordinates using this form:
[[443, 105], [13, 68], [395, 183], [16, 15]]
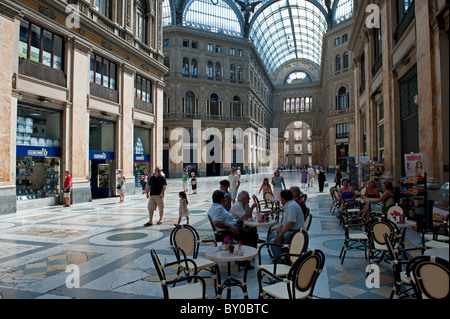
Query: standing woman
[[304, 179], [121, 186], [277, 181], [321, 177], [144, 180], [337, 177]]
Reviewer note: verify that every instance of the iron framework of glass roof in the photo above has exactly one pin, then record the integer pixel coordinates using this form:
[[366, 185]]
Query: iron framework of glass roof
[[281, 30]]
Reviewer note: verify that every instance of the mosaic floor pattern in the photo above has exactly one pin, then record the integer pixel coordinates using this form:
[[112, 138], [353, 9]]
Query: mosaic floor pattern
[[109, 244]]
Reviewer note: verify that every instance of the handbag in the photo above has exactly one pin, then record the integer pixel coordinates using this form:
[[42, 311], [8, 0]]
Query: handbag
[[119, 186], [325, 184]]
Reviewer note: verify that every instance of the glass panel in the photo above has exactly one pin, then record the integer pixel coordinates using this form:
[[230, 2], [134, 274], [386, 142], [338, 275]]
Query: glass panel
[[92, 68], [138, 86], [112, 76], [47, 48], [106, 73], [218, 18], [57, 52], [217, 72], [194, 69], [23, 39], [35, 52], [98, 70], [149, 91]]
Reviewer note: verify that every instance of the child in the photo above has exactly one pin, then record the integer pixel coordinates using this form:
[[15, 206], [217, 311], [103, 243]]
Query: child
[[184, 179], [224, 185], [194, 183], [265, 187], [183, 210]]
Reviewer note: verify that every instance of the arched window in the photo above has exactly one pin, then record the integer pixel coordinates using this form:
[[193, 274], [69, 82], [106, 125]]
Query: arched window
[[217, 71], [232, 72], [214, 104], [194, 68], [141, 20], [342, 99], [338, 62], [185, 69], [239, 73], [237, 106], [190, 103], [209, 69], [345, 60]]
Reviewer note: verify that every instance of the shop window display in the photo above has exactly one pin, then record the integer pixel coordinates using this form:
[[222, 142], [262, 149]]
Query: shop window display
[[37, 177]]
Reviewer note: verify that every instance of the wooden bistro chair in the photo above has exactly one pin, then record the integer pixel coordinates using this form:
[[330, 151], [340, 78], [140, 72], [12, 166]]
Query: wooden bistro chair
[[430, 276], [354, 240], [185, 242], [195, 287], [296, 246], [403, 285], [377, 245], [438, 237], [300, 280]]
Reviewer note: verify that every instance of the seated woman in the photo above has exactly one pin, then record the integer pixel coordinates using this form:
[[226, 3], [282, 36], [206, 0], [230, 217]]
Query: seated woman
[[375, 204], [372, 191], [347, 194]]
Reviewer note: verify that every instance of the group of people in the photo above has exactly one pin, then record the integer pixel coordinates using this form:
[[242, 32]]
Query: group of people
[[230, 209], [373, 200]]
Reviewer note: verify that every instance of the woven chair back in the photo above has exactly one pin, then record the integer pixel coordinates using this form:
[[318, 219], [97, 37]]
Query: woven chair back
[[298, 243], [305, 271], [186, 238], [431, 276]]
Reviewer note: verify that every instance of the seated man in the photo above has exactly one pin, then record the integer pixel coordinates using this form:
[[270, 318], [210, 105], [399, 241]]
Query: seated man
[[292, 220], [223, 220], [241, 210], [297, 193]]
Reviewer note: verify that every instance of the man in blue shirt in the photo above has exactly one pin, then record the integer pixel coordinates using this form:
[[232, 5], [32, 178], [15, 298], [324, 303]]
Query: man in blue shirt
[[292, 220]]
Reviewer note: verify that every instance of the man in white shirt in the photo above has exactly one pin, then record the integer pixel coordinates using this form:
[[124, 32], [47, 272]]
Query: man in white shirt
[[224, 220], [310, 176], [234, 184], [241, 210], [292, 220]]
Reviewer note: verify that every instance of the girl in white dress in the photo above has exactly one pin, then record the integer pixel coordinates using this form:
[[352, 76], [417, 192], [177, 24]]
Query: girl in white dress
[[183, 209]]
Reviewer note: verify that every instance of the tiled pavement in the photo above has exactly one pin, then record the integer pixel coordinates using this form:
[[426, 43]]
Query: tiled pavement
[[110, 246]]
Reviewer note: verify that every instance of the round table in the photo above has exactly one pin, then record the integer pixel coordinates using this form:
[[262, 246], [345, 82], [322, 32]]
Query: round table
[[406, 224], [217, 254], [252, 223], [438, 252]]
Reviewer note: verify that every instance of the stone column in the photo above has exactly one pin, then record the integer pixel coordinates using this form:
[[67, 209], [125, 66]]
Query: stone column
[[79, 124], [427, 87], [127, 140], [158, 131], [8, 111]]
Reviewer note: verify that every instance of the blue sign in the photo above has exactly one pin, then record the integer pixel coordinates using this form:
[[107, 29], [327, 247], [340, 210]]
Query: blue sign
[[38, 151], [100, 155], [141, 157]]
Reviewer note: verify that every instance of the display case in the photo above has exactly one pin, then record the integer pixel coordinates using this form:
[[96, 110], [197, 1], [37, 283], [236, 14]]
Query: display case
[[103, 176], [37, 177], [441, 205], [413, 197]]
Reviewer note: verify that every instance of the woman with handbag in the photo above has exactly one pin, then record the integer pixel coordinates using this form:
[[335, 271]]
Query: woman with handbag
[[322, 178]]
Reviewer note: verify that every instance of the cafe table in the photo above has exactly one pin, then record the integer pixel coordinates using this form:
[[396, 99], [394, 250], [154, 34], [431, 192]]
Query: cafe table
[[218, 254], [251, 222]]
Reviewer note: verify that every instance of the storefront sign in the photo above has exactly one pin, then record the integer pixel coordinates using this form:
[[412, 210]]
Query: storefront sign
[[38, 151], [99, 155], [141, 157]]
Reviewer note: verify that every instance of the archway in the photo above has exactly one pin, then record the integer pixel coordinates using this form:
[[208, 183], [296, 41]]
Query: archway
[[298, 146]]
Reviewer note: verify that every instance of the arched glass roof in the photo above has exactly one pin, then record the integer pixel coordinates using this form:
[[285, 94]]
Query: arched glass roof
[[343, 10], [298, 77], [208, 16], [288, 30]]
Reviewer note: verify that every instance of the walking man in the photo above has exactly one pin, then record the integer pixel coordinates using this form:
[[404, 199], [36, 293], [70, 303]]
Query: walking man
[[156, 187]]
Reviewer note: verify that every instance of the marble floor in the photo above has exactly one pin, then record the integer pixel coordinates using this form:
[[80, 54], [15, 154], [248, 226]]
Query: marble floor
[[100, 250]]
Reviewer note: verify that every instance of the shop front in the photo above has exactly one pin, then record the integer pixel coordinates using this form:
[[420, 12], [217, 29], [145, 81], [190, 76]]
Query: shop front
[[141, 156], [38, 156], [101, 157]]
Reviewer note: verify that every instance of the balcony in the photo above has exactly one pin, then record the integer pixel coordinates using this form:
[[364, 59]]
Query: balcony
[[143, 106], [404, 23], [104, 92], [42, 72]]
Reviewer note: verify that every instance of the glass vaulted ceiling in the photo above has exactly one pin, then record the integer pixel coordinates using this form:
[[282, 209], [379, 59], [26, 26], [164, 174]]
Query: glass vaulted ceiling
[[288, 30], [281, 30]]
